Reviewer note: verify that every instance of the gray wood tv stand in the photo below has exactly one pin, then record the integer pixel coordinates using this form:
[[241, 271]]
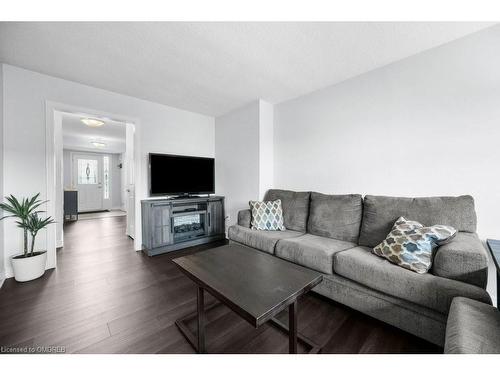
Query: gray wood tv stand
[[177, 223]]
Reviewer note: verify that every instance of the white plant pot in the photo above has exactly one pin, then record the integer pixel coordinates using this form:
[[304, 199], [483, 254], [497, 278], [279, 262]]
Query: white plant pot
[[30, 268]]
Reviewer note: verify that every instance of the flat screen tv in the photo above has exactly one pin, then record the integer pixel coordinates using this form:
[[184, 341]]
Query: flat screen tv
[[180, 175]]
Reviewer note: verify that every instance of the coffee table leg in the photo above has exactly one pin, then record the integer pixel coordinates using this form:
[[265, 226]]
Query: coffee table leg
[[292, 328], [201, 321]]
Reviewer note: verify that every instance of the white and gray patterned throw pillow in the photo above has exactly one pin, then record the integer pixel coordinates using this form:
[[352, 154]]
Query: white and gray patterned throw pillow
[[267, 215], [411, 245]]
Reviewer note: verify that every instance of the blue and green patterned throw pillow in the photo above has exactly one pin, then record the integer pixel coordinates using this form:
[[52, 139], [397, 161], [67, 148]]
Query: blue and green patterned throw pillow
[[411, 245], [267, 215]]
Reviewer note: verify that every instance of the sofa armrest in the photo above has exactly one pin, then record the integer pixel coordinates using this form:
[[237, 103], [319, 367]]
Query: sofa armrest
[[244, 218], [463, 259]]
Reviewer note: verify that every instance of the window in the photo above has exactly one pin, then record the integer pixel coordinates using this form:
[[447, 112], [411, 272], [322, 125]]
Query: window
[[105, 168], [87, 172]]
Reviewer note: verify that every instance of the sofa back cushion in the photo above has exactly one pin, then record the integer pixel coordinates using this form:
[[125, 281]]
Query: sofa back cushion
[[335, 216], [380, 213], [295, 207]]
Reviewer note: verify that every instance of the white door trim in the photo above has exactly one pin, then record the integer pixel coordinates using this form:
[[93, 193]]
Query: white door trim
[[53, 137]]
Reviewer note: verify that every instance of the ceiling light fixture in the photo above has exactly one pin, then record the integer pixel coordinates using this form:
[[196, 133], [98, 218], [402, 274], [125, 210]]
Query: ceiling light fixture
[[92, 122], [98, 144]]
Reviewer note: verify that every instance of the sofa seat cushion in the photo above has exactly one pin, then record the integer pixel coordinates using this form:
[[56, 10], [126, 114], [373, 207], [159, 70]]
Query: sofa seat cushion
[[360, 265], [473, 328], [258, 239], [312, 251]]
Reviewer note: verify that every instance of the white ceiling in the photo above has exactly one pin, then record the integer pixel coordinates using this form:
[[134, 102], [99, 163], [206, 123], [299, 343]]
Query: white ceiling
[[77, 135], [212, 68]]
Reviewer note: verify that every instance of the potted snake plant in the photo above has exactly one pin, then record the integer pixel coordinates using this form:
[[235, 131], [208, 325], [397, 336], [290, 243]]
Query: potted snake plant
[[30, 264]]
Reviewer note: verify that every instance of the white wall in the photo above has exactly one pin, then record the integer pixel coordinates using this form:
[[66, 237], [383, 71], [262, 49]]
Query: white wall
[[116, 181], [59, 207], [162, 129], [266, 147], [67, 169], [123, 181], [2, 268], [244, 155], [427, 125], [237, 158]]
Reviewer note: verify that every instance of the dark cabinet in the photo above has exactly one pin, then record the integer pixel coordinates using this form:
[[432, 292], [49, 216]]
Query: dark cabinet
[[172, 224], [161, 225], [70, 205], [215, 217]]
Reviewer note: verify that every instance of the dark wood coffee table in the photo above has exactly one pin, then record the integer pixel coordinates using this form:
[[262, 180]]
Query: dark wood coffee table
[[255, 285]]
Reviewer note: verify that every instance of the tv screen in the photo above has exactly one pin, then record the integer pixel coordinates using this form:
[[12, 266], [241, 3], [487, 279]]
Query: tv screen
[[176, 175]]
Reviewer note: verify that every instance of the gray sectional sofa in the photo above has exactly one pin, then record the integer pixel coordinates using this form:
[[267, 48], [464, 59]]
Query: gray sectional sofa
[[473, 328], [334, 234]]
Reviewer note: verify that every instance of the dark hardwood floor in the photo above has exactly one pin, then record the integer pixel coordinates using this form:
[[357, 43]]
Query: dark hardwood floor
[[106, 298]]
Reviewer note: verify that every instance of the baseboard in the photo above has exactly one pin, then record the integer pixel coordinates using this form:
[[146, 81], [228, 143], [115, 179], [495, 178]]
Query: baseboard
[[9, 272]]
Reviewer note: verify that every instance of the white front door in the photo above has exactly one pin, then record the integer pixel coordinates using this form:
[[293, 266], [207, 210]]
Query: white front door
[[87, 179]]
